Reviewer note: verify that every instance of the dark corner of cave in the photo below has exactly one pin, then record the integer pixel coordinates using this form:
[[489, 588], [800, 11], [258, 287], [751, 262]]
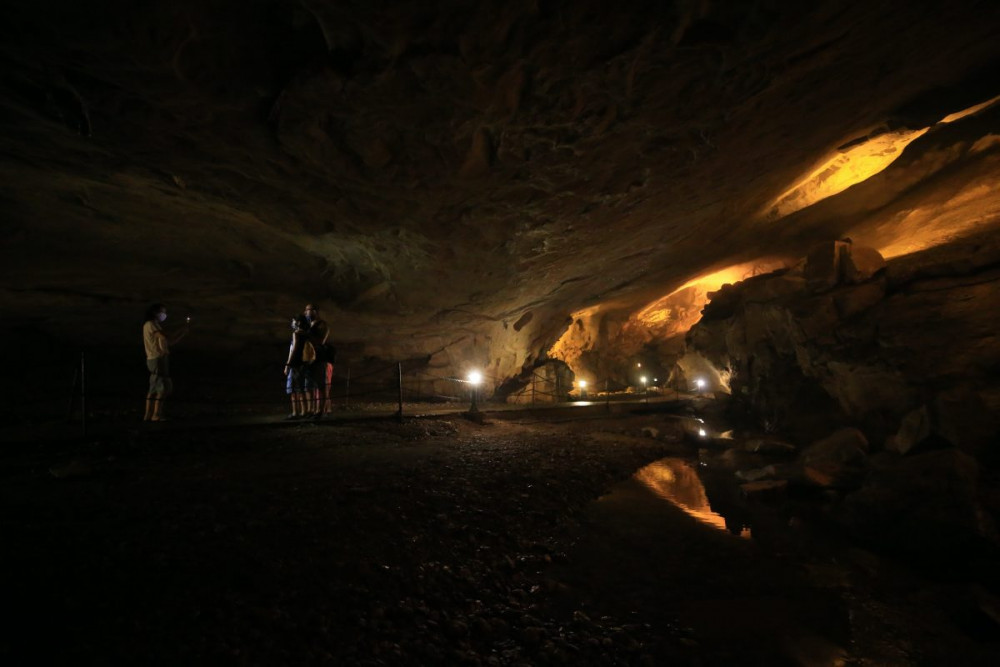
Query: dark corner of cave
[[518, 332]]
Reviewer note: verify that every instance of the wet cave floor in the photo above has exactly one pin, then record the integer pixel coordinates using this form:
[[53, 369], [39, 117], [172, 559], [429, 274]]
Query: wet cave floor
[[527, 540]]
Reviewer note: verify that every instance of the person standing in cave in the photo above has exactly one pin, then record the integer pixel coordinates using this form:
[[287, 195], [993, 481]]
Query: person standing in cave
[[157, 345], [298, 383], [321, 369]]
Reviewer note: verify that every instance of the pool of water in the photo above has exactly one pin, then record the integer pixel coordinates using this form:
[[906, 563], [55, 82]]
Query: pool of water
[[676, 480]]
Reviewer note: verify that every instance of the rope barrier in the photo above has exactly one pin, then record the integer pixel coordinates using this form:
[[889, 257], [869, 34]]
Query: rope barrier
[[394, 385]]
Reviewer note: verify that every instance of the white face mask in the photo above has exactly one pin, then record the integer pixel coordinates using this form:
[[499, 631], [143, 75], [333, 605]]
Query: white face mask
[[160, 317]]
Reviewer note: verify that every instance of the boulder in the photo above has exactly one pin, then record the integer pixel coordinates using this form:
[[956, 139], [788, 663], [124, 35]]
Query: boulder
[[961, 416], [756, 474], [769, 447], [764, 489], [847, 445], [915, 427], [859, 263], [924, 505], [822, 269], [857, 299], [731, 459], [837, 461]]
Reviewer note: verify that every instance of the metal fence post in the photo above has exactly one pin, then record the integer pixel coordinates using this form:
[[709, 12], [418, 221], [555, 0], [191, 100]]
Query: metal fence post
[[347, 388], [399, 373], [83, 392], [72, 393]]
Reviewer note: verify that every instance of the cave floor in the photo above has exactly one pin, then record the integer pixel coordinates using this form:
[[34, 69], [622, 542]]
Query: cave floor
[[525, 540]]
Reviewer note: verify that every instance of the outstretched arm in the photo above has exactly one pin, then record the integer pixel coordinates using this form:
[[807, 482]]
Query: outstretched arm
[[178, 336]]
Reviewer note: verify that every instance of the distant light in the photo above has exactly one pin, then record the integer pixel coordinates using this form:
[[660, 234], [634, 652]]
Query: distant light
[[475, 377], [583, 384], [656, 379], [643, 379], [701, 432], [700, 383], [638, 365]]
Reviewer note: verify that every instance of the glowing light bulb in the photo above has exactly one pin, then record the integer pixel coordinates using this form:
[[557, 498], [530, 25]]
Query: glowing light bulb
[[583, 384], [701, 432], [643, 379], [475, 377], [700, 383]]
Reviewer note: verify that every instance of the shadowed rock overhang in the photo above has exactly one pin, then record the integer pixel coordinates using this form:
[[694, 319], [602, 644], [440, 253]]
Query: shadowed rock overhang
[[458, 180]]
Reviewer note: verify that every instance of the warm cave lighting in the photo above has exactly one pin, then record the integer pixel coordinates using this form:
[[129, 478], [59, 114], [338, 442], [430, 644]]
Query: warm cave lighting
[[638, 365], [677, 481], [643, 380], [856, 163], [700, 383], [583, 384], [474, 378], [702, 432]]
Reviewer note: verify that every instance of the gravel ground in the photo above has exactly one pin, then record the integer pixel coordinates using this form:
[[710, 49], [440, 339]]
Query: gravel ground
[[436, 541], [383, 543]]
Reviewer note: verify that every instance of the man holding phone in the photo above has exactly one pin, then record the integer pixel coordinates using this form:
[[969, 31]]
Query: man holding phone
[[157, 345]]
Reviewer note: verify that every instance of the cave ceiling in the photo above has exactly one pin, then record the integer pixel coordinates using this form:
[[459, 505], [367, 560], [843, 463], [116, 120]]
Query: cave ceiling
[[440, 174]]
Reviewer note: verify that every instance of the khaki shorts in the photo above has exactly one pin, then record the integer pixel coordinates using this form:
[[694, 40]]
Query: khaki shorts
[[159, 375]]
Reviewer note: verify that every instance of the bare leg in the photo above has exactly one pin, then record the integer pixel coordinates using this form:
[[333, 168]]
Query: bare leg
[[157, 401], [328, 380], [150, 402]]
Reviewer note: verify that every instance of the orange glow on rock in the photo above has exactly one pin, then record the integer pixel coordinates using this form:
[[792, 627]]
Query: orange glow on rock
[[854, 165], [669, 317], [693, 295], [958, 115], [975, 207], [846, 168], [676, 481]]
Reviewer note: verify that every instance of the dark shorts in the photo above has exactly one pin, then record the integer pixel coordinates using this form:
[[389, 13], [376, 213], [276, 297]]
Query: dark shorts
[[317, 373], [159, 375], [298, 380]]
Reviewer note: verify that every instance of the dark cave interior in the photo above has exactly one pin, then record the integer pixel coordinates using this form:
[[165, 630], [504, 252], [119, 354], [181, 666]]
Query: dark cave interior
[[778, 218]]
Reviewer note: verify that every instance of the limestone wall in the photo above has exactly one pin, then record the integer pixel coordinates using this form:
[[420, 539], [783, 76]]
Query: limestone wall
[[903, 350]]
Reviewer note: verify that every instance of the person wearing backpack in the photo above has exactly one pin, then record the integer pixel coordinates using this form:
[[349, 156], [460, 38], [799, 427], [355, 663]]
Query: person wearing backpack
[[321, 369]]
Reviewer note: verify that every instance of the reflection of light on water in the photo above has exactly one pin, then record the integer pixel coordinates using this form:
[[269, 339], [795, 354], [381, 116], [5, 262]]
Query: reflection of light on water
[[676, 481]]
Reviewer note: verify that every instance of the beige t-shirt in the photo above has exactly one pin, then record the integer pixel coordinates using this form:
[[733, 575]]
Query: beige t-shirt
[[154, 340]]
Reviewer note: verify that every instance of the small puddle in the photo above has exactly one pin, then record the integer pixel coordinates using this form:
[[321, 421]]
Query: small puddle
[[676, 481]]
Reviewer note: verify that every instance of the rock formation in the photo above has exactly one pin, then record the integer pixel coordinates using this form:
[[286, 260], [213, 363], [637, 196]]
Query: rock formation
[[462, 186], [908, 353]]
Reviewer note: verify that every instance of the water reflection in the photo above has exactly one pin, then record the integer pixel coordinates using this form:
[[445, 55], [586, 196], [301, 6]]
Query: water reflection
[[677, 481]]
